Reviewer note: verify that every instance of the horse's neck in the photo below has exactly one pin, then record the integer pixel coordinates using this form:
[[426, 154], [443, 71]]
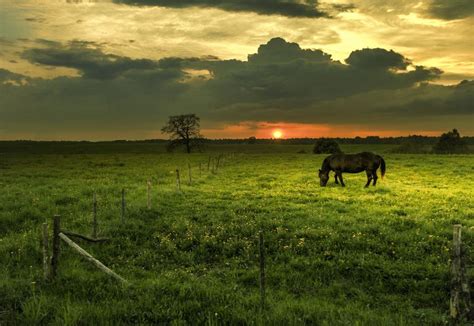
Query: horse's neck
[[326, 166]]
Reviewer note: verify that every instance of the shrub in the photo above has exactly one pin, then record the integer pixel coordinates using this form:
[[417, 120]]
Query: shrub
[[326, 146], [451, 143]]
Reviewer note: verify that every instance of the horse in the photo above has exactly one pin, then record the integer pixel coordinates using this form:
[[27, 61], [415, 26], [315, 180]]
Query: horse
[[351, 163]]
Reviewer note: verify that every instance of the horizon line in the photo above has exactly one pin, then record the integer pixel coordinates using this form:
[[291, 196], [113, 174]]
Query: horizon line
[[216, 139]]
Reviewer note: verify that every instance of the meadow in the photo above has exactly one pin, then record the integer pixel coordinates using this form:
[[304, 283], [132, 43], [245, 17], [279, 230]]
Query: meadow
[[335, 256]]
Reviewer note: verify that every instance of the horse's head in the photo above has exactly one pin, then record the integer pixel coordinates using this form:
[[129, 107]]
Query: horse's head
[[323, 178]]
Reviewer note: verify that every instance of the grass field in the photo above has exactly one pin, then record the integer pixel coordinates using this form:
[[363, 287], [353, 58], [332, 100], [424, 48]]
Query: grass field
[[335, 256]]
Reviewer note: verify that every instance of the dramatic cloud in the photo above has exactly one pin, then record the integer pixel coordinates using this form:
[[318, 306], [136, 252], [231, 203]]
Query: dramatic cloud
[[120, 97], [451, 9], [282, 70], [89, 60], [278, 50], [290, 8], [154, 32], [10, 77], [377, 59]]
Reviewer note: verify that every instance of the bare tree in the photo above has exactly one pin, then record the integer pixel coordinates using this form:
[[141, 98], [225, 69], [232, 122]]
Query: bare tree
[[183, 130]]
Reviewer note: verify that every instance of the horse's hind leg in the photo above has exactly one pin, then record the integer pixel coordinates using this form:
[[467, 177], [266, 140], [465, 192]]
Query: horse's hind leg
[[369, 178], [374, 175], [335, 179], [339, 175]]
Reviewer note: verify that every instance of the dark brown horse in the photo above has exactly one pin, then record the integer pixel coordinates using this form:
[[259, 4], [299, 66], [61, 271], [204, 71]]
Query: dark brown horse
[[352, 163]]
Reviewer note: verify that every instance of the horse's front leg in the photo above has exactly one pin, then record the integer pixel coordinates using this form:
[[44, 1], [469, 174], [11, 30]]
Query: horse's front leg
[[339, 175], [369, 178], [335, 178]]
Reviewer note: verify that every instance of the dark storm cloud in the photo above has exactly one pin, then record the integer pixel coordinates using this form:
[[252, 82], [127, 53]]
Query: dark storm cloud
[[8, 77], [377, 59], [282, 70], [451, 9], [277, 50], [281, 82], [459, 98], [290, 8], [91, 62]]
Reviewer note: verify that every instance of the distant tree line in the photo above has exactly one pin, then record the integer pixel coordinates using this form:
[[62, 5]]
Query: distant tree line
[[369, 140]]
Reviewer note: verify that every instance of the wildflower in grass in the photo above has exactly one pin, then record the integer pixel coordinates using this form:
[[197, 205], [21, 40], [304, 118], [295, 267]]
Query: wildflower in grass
[[301, 242]]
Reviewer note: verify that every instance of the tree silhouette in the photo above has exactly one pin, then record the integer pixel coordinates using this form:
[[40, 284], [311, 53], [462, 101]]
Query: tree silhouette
[[184, 130], [451, 143], [251, 140], [326, 146]]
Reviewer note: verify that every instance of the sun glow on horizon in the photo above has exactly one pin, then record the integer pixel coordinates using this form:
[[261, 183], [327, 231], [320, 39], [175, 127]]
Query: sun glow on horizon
[[277, 134]]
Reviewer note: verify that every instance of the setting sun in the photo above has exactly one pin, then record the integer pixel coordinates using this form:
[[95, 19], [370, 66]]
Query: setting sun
[[277, 134]]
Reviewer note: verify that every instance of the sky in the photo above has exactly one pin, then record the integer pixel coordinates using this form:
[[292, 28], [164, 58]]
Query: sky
[[117, 69]]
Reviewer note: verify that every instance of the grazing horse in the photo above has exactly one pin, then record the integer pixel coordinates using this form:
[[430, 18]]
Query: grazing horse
[[352, 163]]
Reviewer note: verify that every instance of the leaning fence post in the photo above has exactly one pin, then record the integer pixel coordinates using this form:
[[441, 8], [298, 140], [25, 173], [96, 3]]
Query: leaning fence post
[[189, 174], [94, 216], [454, 306], [45, 251], [123, 206], [148, 200], [262, 269], [90, 258], [178, 180], [56, 248]]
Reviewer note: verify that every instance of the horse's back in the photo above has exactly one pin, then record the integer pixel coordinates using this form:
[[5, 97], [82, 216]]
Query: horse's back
[[354, 163]]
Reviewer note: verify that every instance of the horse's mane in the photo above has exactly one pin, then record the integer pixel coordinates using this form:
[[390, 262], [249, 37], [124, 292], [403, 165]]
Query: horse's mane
[[326, 165]]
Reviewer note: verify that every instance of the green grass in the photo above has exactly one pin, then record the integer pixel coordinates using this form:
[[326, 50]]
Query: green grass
[[335, 256]]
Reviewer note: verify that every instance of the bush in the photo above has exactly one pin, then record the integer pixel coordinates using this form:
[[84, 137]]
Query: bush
[[451, 143], [326, 146]]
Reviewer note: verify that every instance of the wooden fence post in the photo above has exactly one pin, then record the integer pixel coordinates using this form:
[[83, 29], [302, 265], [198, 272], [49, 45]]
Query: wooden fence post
[[45, 248], [189, 174], [56, 248], [217, 164], [468, 309], [454, 305], [94, 216], [148, 199], [178, 181], [123, 206], [460, 303], [261, 250]]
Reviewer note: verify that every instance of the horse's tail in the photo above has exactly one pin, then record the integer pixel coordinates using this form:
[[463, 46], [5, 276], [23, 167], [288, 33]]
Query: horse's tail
[[382, 166]]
